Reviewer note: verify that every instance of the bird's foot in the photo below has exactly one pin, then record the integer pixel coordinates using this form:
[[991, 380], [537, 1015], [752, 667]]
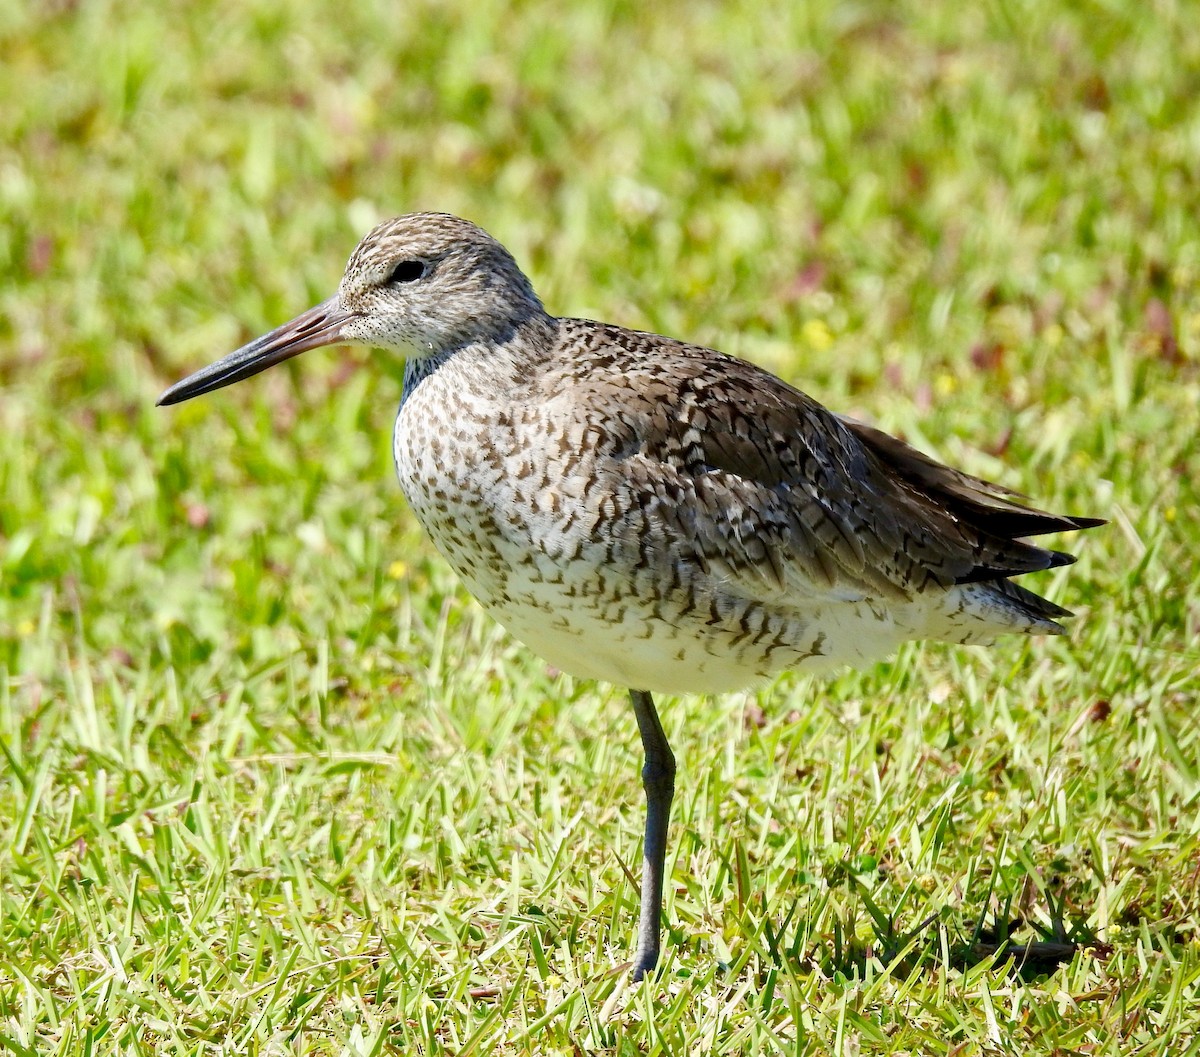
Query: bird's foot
[[643, 963]]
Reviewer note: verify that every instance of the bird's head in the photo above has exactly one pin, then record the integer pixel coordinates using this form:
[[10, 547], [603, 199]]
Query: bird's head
[[420, 285]]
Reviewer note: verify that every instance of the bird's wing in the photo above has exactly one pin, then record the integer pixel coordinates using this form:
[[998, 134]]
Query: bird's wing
[[765, 488]]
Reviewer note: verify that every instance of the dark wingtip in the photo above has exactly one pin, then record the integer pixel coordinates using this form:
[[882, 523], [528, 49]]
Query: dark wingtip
[[1034, 560], [1087, 522]]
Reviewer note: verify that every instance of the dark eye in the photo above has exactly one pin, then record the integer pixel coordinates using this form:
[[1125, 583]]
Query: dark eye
[[408, 272]]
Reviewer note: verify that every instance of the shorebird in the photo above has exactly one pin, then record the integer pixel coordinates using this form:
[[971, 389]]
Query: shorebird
[[651, 513]]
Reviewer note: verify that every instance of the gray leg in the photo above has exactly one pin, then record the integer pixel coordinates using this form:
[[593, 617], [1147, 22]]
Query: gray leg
[[658, 779]]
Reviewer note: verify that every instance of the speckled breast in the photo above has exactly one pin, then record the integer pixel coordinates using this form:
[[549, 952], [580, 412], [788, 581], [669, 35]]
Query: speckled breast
[[569, 560]]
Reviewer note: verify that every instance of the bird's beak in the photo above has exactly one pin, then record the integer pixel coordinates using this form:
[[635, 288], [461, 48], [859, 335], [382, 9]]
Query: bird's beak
[[321, 325]]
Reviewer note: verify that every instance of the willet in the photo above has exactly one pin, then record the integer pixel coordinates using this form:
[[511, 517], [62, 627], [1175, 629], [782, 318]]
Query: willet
[[651, 513]]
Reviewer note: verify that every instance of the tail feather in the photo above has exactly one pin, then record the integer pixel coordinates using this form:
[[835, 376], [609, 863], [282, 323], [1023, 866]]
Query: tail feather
[[991, 515]]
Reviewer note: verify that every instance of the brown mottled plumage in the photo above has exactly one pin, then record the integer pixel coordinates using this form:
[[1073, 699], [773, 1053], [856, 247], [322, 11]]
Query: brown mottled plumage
[[653, 513]]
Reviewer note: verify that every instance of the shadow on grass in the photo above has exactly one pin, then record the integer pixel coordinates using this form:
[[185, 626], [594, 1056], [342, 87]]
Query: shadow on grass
[[1031, 950]]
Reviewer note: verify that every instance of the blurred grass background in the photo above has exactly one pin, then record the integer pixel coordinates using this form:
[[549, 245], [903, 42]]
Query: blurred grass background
[[272, 784]]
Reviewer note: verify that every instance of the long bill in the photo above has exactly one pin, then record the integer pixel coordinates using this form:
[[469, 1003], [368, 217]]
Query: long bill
[[320, 325]]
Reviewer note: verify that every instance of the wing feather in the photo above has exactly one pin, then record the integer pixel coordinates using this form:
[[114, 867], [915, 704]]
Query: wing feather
[[758, 483]]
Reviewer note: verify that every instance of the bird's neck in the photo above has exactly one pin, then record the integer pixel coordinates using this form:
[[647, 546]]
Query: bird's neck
[[503, 364]]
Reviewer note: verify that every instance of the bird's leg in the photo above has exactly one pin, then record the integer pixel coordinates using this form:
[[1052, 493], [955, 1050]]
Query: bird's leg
[[658, 779]]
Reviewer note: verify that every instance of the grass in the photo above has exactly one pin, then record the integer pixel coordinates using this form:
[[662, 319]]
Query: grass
[[271, 783]]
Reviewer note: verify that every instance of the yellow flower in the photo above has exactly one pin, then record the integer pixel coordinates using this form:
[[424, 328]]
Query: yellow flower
[[817, 334], [945, 384]]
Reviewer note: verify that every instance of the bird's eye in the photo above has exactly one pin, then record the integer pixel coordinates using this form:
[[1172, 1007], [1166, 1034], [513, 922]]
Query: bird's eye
[[408, 272]]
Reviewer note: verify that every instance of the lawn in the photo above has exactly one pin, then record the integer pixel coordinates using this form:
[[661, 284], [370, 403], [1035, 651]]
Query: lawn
[[271, 783]]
